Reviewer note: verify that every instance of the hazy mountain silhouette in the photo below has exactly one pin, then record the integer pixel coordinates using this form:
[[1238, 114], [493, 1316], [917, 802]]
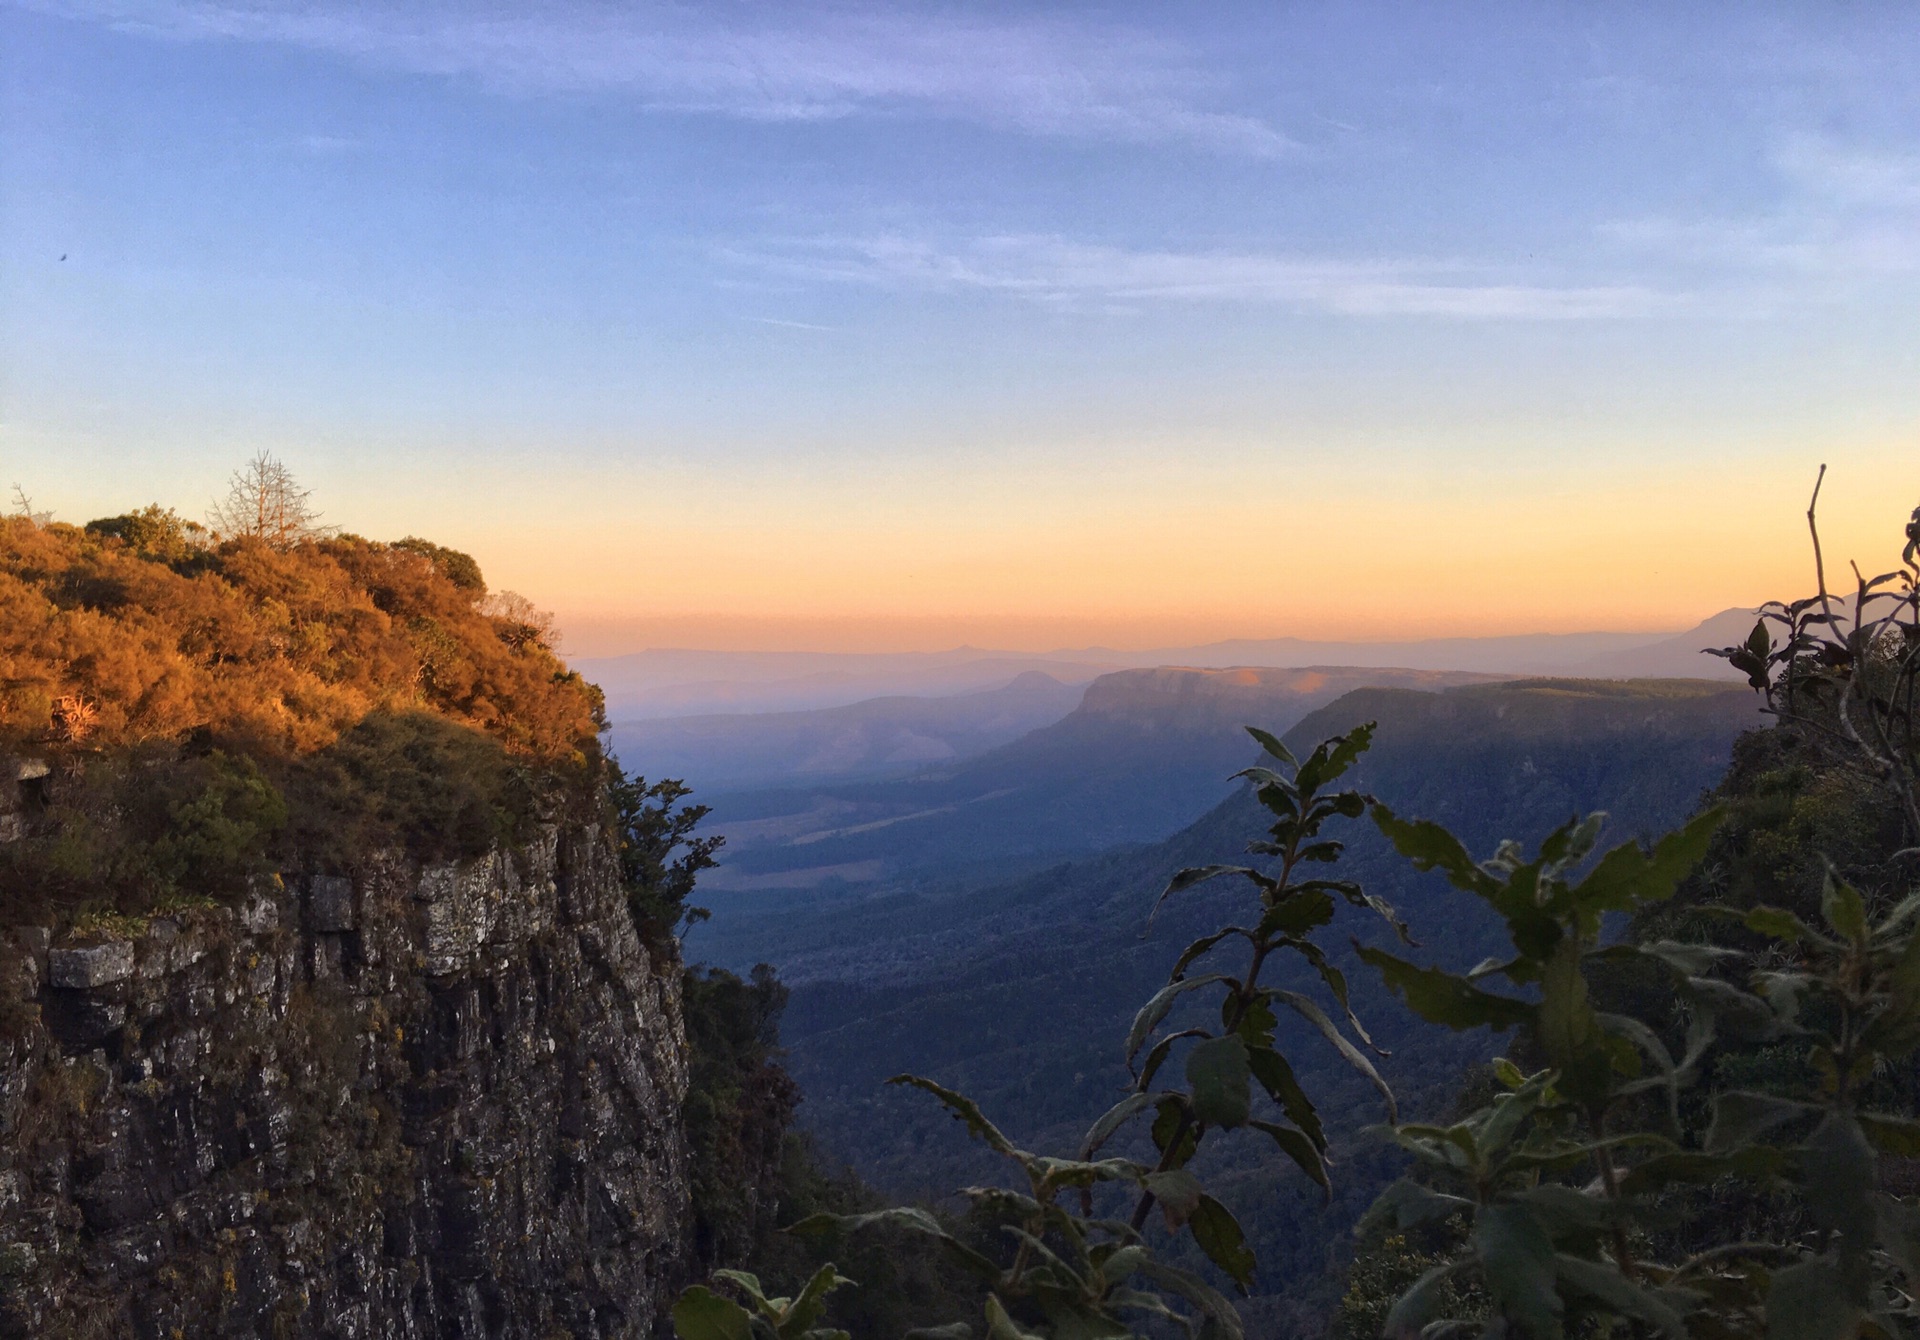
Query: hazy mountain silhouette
[[1145, 752], [877, 737], [676, 682]]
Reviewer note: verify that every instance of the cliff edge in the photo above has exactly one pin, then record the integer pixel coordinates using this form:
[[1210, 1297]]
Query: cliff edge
[[419, 1100]]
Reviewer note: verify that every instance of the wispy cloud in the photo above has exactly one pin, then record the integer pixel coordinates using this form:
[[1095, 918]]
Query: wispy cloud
[[1066, 273], [785, 324], [1842, 212], [791, 62]]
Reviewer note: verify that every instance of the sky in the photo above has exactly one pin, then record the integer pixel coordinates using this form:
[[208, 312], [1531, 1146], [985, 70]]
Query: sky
[[848, 327]]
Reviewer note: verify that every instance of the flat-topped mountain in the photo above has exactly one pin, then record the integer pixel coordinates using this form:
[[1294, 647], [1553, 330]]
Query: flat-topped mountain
[[1144, 753]]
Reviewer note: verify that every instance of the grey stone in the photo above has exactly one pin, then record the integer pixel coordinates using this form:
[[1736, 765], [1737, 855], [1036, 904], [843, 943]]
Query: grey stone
[[330, 904], [407, 1150], [13, 827], [91, 966], [260, 914], [27, 769]]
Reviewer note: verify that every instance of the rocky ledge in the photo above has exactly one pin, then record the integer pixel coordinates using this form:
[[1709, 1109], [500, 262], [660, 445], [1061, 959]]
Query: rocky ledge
[[408, 1102]]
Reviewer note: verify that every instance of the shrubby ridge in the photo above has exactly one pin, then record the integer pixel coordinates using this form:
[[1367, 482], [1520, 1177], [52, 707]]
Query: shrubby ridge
[[201, 707]]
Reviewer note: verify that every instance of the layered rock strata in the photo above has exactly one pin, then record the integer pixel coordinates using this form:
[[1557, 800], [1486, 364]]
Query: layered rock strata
[[407, 1102]]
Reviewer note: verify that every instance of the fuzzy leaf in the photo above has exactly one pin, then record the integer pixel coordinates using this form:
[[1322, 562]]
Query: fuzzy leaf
[[1296, 1146], [1156, 1009], [964, 1109], [702, 1314], [1740, 1118], [1218, 1233], [1442, 998], [1112, 1120], [1607, 1286], [1218, 1073], [1518, 1259], [1277, 1078], [1809, 1301], [1314, 1015]]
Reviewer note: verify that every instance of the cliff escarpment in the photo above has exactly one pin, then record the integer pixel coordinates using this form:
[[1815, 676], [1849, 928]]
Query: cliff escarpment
[[436, 1099]]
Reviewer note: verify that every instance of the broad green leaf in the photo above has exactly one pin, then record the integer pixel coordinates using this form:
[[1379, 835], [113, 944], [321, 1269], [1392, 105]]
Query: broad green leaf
[[1431, 847], [1441, 998], [1507, 1116], [749, 1284], [1518, 1260], [1314, 1015], [1628, 878], [1415, 1308], [1271, 743], [1614, 1291], [953, 1330], [1343, 751], [1810, 1301], [1178, 1192], [1779, 924], [1257, 1022], [1899, 916], [812, 1300], [1060, 1173], [1449, 1146], [1563, 1209], [1000, 1326], [702, 1314], [1844, 909], [1112, 1120], [1741, 1117], [1566, 1025], [1200, 947], [1296, 1146], [1163, 1000], [1277, 1078], [1407, 1205], [1892, 1135], [1838, 1176], [1737, 1014], [1218, 1233], [1175, 1134], [1300, 911], [1693, 1169], [1197, 1291], [964, 1109], [1158, 1053], [1218, 1074]]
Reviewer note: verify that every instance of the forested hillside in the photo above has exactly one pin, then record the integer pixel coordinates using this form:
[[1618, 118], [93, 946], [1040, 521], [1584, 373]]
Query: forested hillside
[[1019, 996]]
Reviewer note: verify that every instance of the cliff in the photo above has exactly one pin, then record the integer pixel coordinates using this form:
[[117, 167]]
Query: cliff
[[419, 1100]]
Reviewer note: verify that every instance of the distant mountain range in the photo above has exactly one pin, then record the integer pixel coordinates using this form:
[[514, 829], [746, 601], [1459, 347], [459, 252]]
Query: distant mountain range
[[1144, 753], [874, 738], [676, 682]]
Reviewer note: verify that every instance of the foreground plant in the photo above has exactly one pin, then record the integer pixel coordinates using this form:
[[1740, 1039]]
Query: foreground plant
[[1068, 1272]]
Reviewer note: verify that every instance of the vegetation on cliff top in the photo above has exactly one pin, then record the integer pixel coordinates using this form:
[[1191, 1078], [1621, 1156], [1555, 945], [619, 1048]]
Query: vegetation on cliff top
[[210, 706]]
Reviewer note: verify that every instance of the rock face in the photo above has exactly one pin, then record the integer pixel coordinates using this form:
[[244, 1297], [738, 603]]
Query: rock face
[[412, 1103]]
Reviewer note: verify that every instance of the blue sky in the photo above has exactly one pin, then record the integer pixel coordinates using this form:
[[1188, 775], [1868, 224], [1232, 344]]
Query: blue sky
[[963, 316]]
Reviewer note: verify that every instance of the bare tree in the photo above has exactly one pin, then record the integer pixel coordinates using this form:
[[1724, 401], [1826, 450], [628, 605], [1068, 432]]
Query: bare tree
[[23, 507], [264, 501]]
